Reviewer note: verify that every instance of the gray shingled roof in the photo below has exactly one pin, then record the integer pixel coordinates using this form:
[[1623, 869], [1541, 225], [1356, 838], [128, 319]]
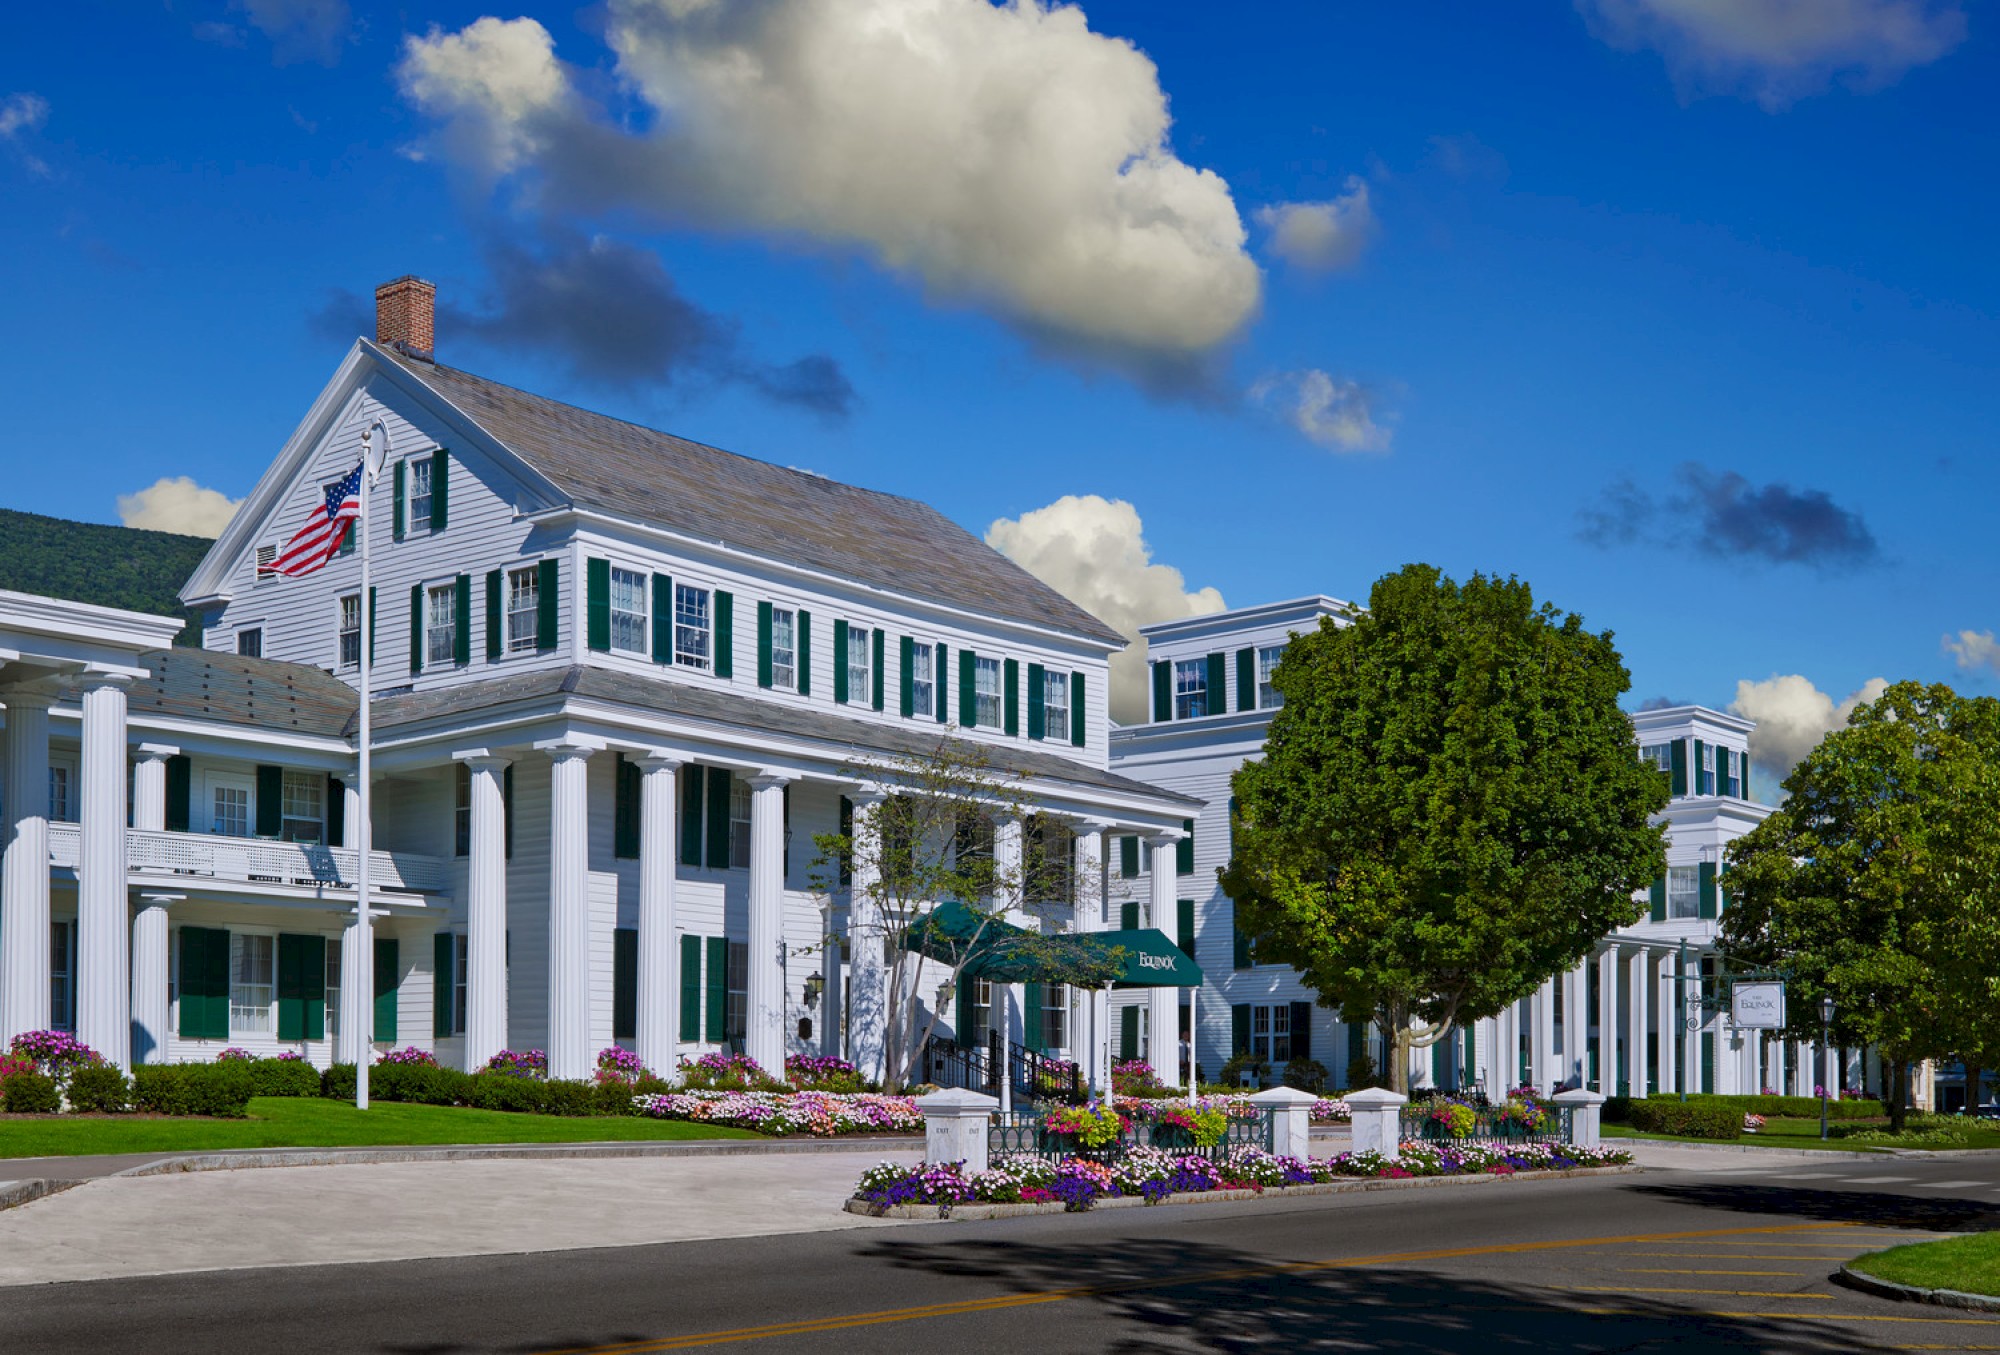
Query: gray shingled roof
[[198, 684], [781, 514], [701, 702]]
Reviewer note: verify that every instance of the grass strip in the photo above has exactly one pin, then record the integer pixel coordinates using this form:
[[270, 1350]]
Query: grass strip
[[1971, 1265]]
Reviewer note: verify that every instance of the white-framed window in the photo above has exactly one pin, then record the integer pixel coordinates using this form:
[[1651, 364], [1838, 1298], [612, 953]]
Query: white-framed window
[[986, 692], [1271, 1032], [419, 500], [460, 967], [62, 976], [1683, 891], [252, 978], [304, 806], [1055, 705], [1705, 775], [250, 642], [981, 1014], [628, 610], [349, 654], [524, 602], [859, 686], [62, 790], [736, 993], [332, 990], [440, 625], [1661, 755], [923, 680], [691, 626], [1190, 689], [1729, 764], [231, 805], [740, 795], [1268, 697], [1054, 1016], [784, 649]]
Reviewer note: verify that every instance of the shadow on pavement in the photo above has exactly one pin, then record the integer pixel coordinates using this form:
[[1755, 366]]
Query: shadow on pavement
[[1182, 1295], [1837, 1206]]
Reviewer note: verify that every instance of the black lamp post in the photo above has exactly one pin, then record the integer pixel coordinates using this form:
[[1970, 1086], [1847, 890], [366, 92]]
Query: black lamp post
[[1825, 1038]]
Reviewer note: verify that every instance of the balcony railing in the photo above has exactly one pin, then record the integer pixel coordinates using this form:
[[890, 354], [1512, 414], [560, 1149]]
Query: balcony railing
[[259, 860]]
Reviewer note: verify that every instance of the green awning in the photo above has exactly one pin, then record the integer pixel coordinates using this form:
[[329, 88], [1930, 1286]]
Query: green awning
[[1148, 958], [987, 948]]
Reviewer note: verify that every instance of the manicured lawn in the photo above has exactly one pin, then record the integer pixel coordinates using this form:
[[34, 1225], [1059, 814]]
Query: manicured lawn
[[309, 1122], [1766, 1139], [1785, 1132], [1970, 1265]]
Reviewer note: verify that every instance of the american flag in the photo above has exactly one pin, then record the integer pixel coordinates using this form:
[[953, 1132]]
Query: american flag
[[324, 530]]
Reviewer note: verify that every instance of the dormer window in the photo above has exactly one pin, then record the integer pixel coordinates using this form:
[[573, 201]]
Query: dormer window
[[1729, 765], [1190, 689], [1704, 777]]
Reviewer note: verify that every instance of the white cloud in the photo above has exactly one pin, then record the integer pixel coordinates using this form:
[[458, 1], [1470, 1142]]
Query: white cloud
[[300, 30], [1779, 50], [1093, 551], [21, 114], [178, 504], [1001, 155], [1792, 717], [1974, 649], [1337, 413], [1323, 236]]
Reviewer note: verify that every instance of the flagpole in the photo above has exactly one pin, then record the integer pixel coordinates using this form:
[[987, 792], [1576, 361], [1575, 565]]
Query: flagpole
[[364, 986]]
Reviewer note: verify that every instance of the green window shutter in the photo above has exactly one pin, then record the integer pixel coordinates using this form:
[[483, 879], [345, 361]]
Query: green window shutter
[[388, 984], [1302, 1031], [312, 978], [625, 809], [215, 982], [940, 660], [964, 1025], [440, 489], [663, 618], [441, 957], [270, 801], [624, 983], [1184, 932], [507, 806], [1708, 908], [725, 634], [1010, 696], [1745, 779], [1128, 915], [461, 615], [1240, 956], [396, 496], [1659, 897], [1128, 1032], [718, 988], [718, 818], [1696, 769], [690, 988], [1031, 1017], [348, 537], [180, 792], [1218, 694], [597, 602], [494, 639], [906, 654], [336, 812], [200, 993], [1037, 702], [968, 689], [548, 613], [1679, 756], [1128, 858], [371, 625], [1163, 690], [291, 983], [876, 672], [840, 663], [1246, 679], [1076, 721], [416, 628], [1184, 849], [802, 646], [693, 791], [764, 645], [1239, 1028]]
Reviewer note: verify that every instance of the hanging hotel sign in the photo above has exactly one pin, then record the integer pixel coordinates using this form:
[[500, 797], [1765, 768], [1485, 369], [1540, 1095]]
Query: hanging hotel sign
[[1757, 1004]]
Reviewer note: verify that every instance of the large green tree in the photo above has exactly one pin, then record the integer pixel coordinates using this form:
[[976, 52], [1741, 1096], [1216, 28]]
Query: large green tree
[[1449, 809], [1875, 883]]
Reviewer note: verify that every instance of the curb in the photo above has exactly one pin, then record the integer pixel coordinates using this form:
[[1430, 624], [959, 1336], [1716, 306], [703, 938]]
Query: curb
[[1007, 1211], [14, 1193], [341, 1157], [1889, 1289], [1848, 1154]]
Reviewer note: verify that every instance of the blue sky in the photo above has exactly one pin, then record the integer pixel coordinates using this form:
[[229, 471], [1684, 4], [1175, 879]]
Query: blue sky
[[1682, 311]]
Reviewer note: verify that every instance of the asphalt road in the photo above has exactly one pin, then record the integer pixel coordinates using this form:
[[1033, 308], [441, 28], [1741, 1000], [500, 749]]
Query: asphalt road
[[1732, 1260]]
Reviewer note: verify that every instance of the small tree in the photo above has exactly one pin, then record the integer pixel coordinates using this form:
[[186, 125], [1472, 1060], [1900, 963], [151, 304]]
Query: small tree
[[1449, 808], [934, 843]]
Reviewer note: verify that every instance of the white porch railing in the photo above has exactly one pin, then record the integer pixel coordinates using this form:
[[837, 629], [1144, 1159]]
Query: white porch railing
[[259, 860]]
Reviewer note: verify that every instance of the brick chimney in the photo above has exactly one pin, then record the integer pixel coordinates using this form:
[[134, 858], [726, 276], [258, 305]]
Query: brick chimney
[[405, 316]]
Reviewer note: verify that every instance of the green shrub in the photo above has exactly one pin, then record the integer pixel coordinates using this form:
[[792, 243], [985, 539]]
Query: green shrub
[[102, 1088], [1616, 1110], [283, 1077], [502, 1091], [1232, 1072], [30, 1094], [614, 1097], [337, 1082], [421, 1083], [1308, 1075], [650, 1084], [568, 1098], [1361, 1073], [222, 1090], [1691, 1119]]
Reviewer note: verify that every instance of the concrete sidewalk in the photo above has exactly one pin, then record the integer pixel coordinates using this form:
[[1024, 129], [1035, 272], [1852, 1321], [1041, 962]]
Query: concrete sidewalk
[[121, 1226]]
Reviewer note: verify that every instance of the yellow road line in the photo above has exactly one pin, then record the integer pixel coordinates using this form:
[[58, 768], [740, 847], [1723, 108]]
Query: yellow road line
[[1663, 1270], [1729, 1256], [1869, 1317], [1653, 1289]]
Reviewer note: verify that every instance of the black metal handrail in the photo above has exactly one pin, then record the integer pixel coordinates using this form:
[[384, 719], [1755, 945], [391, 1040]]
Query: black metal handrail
[[1032, 1075]]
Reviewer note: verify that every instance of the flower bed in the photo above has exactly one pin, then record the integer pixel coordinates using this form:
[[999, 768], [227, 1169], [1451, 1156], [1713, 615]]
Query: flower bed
[[1152, 1175], [1334, 1111], [814, 1114]]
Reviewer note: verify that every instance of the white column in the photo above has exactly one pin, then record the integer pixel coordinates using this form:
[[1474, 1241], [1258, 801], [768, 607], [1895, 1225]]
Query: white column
[[1607, 1021], [104, 920], [355, 1034], [831, 1000], [657, 1039], [24, 872], [1637, 977], [1543, 1054], [485, 911], [569, 1051], [1576, 1023], [151, 1018], [1164, 1004], [1090, 918], [868, 975], [764, 1033], [149, 786], [1667, 1024], [1009, 899]]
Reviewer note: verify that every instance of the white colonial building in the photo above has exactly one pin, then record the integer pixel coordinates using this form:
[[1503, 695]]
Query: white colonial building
[[620, 680], [1628, 1020]]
